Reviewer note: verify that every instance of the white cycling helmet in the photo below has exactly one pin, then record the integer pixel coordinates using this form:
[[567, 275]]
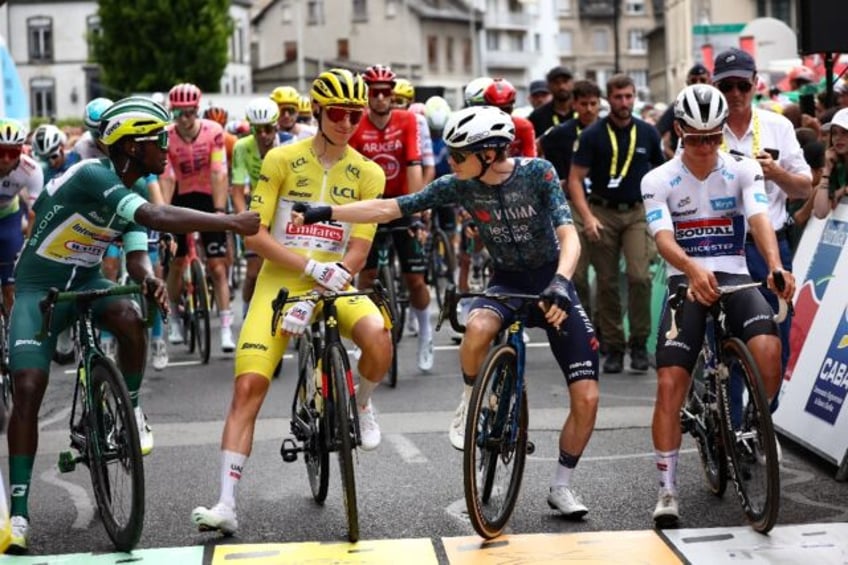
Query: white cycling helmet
[[474, 90], [701, 106], [479, 127], [47, 139], [262, 111], [437, 111]]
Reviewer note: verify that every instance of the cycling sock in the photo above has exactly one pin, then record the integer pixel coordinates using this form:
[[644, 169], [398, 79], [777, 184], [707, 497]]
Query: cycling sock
[[226, 318], [425, 331], [565, 468], [363, 393], [133, 381], [232, 465], [667, 467], [20, 474]]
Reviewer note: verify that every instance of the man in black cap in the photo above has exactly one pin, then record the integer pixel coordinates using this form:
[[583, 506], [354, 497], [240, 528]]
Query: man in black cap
[[697, 74], [539, 93], [558, 110]]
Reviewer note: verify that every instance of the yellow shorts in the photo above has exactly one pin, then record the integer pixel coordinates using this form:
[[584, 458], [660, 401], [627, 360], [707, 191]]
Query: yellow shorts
[[259, 352]]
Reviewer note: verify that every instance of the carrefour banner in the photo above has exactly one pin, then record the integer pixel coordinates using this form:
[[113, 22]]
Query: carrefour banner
[[812, 405]]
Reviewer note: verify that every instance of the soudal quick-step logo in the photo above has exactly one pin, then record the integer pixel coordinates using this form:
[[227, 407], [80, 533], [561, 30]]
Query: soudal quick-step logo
[[709, 227]]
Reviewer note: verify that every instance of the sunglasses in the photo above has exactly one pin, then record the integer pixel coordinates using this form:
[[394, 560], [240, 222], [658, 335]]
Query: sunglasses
[[743, 86], [290, 110], [267, 129], [184, 112], [10, 152], [458, 157], [703, 138], [160, 138], [337, 114], [54, 156], [384, 91]]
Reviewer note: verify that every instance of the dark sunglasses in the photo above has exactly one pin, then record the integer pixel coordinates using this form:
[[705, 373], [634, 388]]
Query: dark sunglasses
[[54, 156], [267, 129], [743, 86], [337, 114], [290, 110], [10, 152], [703, 138], [184, 112], [384, 91], [160, 138], [458, 157]]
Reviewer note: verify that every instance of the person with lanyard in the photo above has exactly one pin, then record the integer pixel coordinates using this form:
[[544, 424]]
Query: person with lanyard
[[770, 139], [558, 110], [558, 147], [615, 153], [833, 184]]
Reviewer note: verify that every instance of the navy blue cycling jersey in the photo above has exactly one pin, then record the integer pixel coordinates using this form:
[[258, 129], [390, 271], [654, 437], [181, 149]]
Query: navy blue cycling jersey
[[517, 219]]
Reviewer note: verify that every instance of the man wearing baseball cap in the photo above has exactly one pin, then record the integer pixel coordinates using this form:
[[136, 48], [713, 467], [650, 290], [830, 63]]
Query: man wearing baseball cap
[[770, 139], [539, 93], [558, 110]]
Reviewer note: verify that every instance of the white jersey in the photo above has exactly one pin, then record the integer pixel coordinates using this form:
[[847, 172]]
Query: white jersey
[[26, 176], [425, 142], [709, 218], [87, 148]]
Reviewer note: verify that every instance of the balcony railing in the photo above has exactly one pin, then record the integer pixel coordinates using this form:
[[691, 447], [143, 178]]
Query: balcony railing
[[507, 20], [516, 59], [597, 8]]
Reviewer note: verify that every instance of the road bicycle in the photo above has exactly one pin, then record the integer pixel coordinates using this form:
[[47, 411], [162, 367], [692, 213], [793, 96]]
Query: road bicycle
[[103, 431], [5, 377], [396, 294], [441, 260], [325, 417], [193, 304], [735, 439], [496, 444]]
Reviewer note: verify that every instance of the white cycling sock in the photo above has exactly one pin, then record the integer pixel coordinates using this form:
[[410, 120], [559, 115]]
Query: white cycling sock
[[232, 465], [425, 331], [363, 393], [226, 318], [667, 469]]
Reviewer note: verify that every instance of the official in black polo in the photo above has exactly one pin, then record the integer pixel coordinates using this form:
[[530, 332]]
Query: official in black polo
[[615, 153], [558, 110]]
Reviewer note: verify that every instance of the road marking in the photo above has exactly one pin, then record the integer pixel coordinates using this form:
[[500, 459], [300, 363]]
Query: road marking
[[611, 457], [418, 551], [60, 415], [406, 448], [79, 496]]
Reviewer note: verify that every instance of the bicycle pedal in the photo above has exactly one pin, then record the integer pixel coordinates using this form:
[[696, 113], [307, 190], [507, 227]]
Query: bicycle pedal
[[289, 450], [531, 447], [67, 462]]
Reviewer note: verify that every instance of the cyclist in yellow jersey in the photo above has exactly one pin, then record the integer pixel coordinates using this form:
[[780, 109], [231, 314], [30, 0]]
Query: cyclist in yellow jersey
[[321, 169]]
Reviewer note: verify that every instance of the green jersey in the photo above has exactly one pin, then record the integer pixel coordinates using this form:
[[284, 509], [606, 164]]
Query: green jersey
[[247, 162], [77, 216]]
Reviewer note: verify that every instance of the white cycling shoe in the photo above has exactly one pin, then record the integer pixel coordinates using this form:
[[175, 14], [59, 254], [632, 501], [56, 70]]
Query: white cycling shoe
[[219, 518]]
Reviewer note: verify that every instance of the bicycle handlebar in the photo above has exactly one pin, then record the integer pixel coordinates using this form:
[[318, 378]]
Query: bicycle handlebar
[[452, 298]]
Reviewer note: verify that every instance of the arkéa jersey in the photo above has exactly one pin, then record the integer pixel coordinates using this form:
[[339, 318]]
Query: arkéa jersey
[[77, 216], [292, 173], [247, 162], [192, 162], [393, 148], [708, 218]]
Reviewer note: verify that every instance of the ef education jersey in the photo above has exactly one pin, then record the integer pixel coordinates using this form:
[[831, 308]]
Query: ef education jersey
[[709, 218], [192, 162]]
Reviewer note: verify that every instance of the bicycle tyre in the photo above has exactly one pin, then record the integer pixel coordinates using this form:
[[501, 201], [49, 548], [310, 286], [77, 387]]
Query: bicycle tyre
[[387, 280], [238, 255], [345, 413], [702, 396], [761, 508], [202, 331], [442, 265], [112, 440], [5, 377], [315, 453], [495, 382]]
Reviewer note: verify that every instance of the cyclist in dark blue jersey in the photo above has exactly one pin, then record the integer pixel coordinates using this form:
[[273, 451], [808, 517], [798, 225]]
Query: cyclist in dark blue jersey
[[525, 223]]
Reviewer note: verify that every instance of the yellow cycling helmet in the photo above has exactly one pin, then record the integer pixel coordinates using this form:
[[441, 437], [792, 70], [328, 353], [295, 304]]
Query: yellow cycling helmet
[[404, 89], [285, 95], [12, 132], [304, 107], [339, 87], [133, 116]]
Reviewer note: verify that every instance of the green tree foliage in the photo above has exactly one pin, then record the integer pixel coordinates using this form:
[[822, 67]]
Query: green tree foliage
[[150, 45]]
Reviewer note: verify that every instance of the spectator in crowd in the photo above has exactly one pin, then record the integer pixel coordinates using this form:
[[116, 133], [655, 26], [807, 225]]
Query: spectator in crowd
[[558, 110], [539, 93]]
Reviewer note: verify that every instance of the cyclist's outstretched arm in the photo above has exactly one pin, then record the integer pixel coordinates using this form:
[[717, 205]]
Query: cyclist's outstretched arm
[[365, 212], [176, 219]]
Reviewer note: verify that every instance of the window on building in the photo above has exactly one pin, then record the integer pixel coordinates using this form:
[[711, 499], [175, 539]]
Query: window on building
[[433, 52], [43, 96], [40, 36], [360, 10], [516, 6], [93, 29], [640, 78], [286, 10], [564, 7], [492, 40], [515, 40], [634, 7], [599, 76], [343, 49], [467, 55], [636, 41], [778, 9], [565, 40], [290, 51], [600, 40], [537, 42], [315, 12], [391, 8], [237, 43], [449, 58]]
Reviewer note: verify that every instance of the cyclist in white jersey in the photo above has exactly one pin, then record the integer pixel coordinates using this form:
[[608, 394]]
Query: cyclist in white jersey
[[698, 207]]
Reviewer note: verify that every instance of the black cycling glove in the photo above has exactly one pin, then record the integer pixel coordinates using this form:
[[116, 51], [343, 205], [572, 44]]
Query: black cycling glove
[[557, 292], [313, 214]]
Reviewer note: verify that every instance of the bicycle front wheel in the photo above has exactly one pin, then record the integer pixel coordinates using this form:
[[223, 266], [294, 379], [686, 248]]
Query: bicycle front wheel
[[495, 444], [749, 439], [705, 426], [346, 421], [387, 279], [114, 455], [442, 265], [201, 311], [308, 412]]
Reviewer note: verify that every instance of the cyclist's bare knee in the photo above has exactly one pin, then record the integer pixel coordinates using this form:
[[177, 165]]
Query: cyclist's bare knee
[[28, 391], [123, 318], [249, 392]]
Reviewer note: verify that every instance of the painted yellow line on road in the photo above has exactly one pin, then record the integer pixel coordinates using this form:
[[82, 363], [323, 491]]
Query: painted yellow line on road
[[389, 552], [586, 548]]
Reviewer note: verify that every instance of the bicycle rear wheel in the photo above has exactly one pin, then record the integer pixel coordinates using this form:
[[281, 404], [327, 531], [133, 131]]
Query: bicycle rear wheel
[[704, 424], [346, 422], [495, 444], [749, 439], [201, 311], [442, 265], [308, 410], [387, 280], [114, 456]]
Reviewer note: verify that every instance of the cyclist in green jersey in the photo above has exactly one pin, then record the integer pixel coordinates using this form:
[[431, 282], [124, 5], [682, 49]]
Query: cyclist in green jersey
[[262, 115], [77, 216]]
